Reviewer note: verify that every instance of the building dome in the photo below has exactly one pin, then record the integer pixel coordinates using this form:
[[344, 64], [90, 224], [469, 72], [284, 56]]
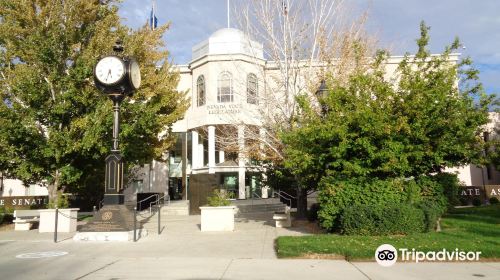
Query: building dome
[[228, 41], [228, 35]]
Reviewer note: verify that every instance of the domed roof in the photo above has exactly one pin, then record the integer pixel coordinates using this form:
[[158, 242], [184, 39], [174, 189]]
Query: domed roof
[[228, 34], [228, 41]]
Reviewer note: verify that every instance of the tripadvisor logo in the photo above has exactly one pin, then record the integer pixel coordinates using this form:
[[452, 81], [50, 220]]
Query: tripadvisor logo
[[387, 255]]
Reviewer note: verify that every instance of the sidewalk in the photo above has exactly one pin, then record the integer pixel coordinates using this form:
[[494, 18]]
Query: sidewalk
[[183, 252]]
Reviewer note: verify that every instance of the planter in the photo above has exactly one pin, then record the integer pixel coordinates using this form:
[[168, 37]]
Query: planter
[[220, 218], [66, 220]]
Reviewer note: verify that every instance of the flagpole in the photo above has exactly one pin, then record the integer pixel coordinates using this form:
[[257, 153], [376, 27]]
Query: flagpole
[[228, 14], [154, 15]]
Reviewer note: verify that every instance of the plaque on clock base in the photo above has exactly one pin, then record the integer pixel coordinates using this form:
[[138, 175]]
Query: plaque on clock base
[[111, 223]]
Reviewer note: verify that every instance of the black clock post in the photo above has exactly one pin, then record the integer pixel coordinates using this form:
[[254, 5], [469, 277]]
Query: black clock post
[[118, 77]]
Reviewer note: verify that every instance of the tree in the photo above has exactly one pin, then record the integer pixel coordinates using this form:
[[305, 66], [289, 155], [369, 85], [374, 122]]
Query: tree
[[56, 127], [302, 40], [373, 128]]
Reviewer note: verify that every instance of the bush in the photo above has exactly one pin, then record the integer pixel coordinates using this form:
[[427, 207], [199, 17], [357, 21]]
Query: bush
[[312, 214], [432, 191], [476, 201], [382, 220], [432, 212], [334, 197], [451, 187], [493, 200], [2, 214], [464, 201], [62, 201], [219, 198]]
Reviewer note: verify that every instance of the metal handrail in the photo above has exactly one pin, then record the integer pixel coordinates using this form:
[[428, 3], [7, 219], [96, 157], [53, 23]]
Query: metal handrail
[[157, 201], [284, 197], [140, 202], [289, 195]]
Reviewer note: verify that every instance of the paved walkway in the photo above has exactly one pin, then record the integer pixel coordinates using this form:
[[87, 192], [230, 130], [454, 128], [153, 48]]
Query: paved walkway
[[183, 252]]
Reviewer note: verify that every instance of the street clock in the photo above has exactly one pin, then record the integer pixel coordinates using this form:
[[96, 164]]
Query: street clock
[[117, 75]]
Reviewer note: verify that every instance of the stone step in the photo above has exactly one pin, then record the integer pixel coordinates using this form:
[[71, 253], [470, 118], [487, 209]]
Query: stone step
[[261, 208], [176, 208], [175, 211]]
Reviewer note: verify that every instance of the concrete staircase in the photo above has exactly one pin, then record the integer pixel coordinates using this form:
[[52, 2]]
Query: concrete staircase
[[258, 206], [176, 208]]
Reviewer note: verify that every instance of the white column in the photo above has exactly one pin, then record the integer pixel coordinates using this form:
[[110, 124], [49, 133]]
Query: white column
[[241, 162], [221, 156], [262, 135], [201, 154], [194, 149], [211, 149]]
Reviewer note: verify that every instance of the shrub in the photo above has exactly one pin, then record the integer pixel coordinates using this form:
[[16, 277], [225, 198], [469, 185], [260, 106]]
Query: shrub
[[335, 196], [62, 201], [451, 187], [219, 198], [432, 212], [464, 201], [382, 220], [493, 200], [432, 191], [476, 201], [312, 214], [2, 214]]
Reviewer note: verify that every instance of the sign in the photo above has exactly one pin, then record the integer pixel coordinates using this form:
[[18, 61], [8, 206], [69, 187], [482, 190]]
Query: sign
[[24, 202], [487, 191], [224, 109], [492, 191], [472, 191]]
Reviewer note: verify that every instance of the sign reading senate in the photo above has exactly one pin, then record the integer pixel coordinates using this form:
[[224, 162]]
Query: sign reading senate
[[224, 109], [24, 202]]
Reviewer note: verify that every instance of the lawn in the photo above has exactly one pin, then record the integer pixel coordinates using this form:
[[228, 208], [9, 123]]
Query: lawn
[[468, 229]]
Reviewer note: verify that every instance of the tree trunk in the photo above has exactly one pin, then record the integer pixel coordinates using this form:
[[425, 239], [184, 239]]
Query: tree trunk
[[301, 203], [52, 189]]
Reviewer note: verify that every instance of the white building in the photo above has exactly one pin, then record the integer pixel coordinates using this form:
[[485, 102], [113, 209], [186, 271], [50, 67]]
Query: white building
[[474, 175], [228, 82]]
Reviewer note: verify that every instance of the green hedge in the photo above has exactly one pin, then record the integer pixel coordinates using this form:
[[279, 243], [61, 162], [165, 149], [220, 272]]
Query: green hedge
[[451, 187], [382, 220], [431, 194], [335, 197], [432, 212]]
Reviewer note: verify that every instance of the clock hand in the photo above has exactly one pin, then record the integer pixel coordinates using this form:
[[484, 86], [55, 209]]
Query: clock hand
[[109, 73]]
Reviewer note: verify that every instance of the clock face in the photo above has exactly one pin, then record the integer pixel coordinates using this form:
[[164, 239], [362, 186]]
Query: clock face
[[109, 70], [135, 74]]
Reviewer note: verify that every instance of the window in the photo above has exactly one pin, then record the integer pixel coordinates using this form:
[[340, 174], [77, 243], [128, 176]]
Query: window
[[252, 89], [225, 88], [200, 90]]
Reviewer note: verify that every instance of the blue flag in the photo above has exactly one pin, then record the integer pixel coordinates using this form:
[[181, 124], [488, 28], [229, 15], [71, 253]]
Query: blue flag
[[153, 21]]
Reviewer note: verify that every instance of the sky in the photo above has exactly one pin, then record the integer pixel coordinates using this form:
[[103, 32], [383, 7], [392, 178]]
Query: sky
[[395, 23]]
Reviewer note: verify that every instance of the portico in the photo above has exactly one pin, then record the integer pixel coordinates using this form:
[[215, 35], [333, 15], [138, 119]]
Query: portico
[[216, 162]]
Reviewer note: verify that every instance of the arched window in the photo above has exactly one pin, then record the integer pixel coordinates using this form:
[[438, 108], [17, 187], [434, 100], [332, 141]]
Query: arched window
[[252, 89], [200, 91], [225, 88]]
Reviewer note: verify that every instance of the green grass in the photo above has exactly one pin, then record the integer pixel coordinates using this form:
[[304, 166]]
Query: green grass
[[468, 229], [85, 218]]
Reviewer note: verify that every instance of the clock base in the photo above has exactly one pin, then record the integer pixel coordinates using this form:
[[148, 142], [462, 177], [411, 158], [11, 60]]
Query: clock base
[[113, 199]]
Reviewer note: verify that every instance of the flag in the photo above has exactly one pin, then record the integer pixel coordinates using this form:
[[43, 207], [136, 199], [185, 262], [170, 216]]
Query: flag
[[153, 21], [285, 8]]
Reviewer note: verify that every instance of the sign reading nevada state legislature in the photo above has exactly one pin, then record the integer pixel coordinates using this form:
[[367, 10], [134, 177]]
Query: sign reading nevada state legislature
[[224, 109]]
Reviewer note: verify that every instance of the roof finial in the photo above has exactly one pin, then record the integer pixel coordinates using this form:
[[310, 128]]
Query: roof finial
[[228, 25]]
